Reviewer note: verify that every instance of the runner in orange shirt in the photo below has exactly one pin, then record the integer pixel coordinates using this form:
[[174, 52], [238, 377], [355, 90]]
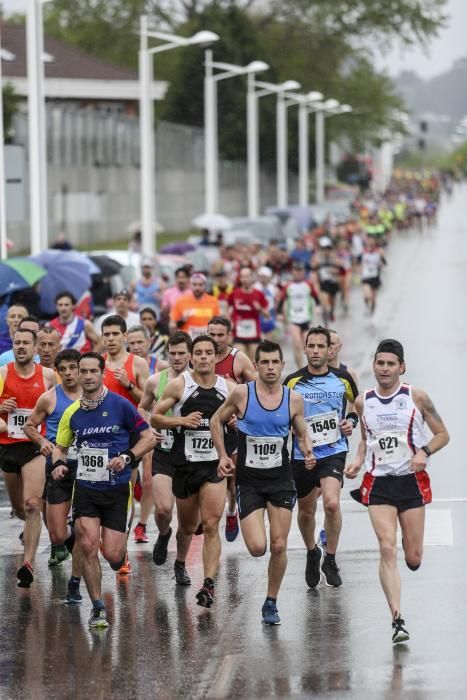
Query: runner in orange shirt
[[192, 311]]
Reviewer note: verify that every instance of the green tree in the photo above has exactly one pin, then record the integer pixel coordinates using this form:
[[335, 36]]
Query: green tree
[[11, 101]]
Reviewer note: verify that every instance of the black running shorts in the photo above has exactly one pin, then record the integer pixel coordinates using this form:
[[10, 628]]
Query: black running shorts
[[256, 494], [373, 282], [188, 478], [403, 492], [112, 506], [308, 479], [58, 490], [162, 463], [13, 457]]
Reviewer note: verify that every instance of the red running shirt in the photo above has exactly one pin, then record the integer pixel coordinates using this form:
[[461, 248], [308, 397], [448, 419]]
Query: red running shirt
[[245, 317]]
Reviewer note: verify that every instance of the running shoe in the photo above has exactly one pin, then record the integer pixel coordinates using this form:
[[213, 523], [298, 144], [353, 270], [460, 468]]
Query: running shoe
[[231, 527], [98, 618], [73, 595], [331, 572], [269, 613], [125, 567], [53, 561], [400, 633], [322, 537], [25, 575], [313, 567], [140, 534], [159, 552], [61, 553], [205, 596], [181, 574]]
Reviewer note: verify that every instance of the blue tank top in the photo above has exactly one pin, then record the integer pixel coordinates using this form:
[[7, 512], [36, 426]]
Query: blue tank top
[[145, 293], [262, 437], [53, 420], [152, 364]]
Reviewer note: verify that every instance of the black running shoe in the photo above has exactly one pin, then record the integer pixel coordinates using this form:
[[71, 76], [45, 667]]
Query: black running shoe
[[25, 575], [331, 572], [181, 574], [159, 553], [313, 567], [205, 596], [400, 633]]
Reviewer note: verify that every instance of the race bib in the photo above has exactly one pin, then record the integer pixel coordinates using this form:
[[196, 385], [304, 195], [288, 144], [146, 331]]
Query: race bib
[[92, 464], [263, 452], [246, 328], [370, 270], [16, 422], [390, 448], [323, 428], [167, 439], [199, 446], [299, 312], [195, 331]]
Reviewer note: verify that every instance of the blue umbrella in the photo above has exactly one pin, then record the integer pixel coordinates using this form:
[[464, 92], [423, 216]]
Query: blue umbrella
[[177, 248], [66, 271], [18, 273]]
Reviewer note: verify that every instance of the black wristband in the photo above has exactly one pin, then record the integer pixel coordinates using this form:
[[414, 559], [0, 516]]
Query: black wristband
[[130, 454], [426, 450], [59, 463], [353, 418]]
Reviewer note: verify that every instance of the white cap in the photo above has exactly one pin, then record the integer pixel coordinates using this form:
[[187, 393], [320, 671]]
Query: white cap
[[325, 242], [265, 271]]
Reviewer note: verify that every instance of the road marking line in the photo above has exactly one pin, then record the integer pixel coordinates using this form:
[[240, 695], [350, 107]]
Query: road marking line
[[224, 677]]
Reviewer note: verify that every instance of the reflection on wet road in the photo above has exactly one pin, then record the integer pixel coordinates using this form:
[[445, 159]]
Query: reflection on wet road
[[332, 643]]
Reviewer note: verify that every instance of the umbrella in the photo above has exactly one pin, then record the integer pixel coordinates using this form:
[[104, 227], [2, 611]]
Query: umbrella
[[212, 222], [107, 266], [50, 256], [19, 273], [66, 271], [177, 248]]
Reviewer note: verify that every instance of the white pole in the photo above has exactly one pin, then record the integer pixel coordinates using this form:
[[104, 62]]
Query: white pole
[[147, 148], [36, 129], [319, 156], [3, 233], [303, 147], [252, 148], [281, 148], [210, 137]]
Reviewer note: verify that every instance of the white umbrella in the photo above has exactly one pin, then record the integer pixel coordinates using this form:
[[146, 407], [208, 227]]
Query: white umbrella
[[212, 222]]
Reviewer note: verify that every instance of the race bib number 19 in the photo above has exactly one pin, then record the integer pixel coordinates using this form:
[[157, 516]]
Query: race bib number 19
[[16, 422]]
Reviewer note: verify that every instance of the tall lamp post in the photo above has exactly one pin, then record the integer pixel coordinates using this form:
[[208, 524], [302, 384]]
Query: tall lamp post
[[327, 109], [3, 246], [146, 116], [227, 70], [253, 96], [36, 128]]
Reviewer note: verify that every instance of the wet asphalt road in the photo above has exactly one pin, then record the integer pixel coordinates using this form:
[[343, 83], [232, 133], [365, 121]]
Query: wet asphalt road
[[332, 643]]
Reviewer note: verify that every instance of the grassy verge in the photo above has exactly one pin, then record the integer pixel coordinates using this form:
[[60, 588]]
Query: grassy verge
[[122, 243]]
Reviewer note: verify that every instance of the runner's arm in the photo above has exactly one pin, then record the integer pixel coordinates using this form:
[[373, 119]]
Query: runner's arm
[[141, 376], [245, 371], [352, 468], [223, 415], [148, 397], [300, 429], [172, 394], [41, 410], [94, 338], [433, 420]]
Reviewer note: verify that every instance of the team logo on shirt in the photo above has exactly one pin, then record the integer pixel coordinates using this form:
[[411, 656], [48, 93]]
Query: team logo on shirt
[[401, 403]]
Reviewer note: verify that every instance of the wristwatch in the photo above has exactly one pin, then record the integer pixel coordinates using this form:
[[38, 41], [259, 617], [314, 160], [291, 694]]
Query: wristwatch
[[126, 458], [130, 386], [426, 450]]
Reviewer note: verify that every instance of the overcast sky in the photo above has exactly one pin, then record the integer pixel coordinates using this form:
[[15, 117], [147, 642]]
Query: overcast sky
[[451, 44]]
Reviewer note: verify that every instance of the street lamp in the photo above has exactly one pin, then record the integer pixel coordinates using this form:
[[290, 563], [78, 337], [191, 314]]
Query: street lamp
[[3, 246], [325, 109], [146, 120], [253, 96], [38, 218], [228, 70]]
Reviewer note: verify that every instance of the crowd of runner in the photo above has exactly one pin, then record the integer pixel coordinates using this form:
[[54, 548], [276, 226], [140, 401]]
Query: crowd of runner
[[177, 396]]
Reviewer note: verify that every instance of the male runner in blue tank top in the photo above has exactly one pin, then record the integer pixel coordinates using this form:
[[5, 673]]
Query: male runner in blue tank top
[[50, 408], [325, 392], [265, 411], [101, 422]]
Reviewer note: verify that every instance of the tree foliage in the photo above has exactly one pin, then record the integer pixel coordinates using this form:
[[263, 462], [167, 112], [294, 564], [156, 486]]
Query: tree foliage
[[11, 101], [326, 45]]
